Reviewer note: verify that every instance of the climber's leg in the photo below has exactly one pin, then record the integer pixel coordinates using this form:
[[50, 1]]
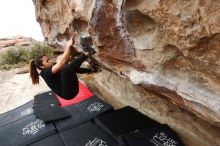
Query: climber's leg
[[69, 80], [75, 63]]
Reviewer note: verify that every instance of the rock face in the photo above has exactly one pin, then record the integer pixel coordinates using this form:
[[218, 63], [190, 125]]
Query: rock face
[[14, 42], [120, 92], [171, 48]]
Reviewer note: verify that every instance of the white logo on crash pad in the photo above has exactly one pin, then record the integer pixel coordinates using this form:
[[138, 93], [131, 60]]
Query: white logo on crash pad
[[95, 107], [28, 111], [161, 139], [96, 142], [33, 127]]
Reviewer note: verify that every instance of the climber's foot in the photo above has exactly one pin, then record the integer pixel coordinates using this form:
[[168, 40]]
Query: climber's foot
[[89, 49], [86, 47]]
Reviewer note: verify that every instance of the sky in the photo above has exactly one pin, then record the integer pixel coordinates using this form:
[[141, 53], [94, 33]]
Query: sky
[[17, 17]]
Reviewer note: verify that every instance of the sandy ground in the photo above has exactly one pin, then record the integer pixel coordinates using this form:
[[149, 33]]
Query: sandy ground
[[17, 89]]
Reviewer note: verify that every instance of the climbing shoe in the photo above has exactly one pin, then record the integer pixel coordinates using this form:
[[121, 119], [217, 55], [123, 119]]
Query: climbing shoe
[[89, 49], [86, 47]]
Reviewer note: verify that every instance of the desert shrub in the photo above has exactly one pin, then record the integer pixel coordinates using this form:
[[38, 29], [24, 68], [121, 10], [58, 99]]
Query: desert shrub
[[40, 49], [18, 57]]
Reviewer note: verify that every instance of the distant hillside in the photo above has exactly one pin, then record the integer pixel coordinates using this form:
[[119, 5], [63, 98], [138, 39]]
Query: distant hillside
[[17, 41]]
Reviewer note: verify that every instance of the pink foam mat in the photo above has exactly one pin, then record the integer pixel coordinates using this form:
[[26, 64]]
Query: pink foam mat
[[83, 94]]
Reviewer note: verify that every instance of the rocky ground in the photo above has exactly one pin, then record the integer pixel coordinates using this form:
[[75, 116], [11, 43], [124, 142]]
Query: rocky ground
[[17, 89]]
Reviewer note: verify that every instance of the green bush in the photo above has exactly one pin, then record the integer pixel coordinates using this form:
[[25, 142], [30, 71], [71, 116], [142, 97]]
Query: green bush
[[40, 49], [14, 58], [11, 66]]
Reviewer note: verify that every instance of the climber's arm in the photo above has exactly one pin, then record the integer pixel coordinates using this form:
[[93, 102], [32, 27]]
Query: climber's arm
[[64, 59]]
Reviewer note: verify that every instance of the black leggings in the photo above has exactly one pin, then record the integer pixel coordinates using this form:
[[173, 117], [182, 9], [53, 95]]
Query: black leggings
[[69, 80]]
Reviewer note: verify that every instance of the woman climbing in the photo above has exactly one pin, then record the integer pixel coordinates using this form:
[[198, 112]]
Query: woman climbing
[[61, 77]]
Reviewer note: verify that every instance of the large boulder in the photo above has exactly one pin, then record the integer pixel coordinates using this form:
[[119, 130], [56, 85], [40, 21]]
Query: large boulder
[[169, 47]]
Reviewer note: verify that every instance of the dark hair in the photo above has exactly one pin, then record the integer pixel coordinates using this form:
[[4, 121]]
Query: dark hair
[[35, 64]]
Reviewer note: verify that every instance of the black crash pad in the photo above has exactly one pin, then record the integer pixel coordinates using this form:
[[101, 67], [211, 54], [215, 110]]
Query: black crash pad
[[93, 107], [17, 113], [76, 119], [46, 107], [46, 98], [54, 140], [50, 112], [25, 131], [161, 135], [124, 120], [87, 134]]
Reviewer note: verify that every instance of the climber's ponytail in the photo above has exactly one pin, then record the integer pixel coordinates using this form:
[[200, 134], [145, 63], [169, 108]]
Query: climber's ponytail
[[33, 72], [33, 65]]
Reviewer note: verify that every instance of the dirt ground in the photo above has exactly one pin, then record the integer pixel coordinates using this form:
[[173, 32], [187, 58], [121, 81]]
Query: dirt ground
[[17, 89]]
